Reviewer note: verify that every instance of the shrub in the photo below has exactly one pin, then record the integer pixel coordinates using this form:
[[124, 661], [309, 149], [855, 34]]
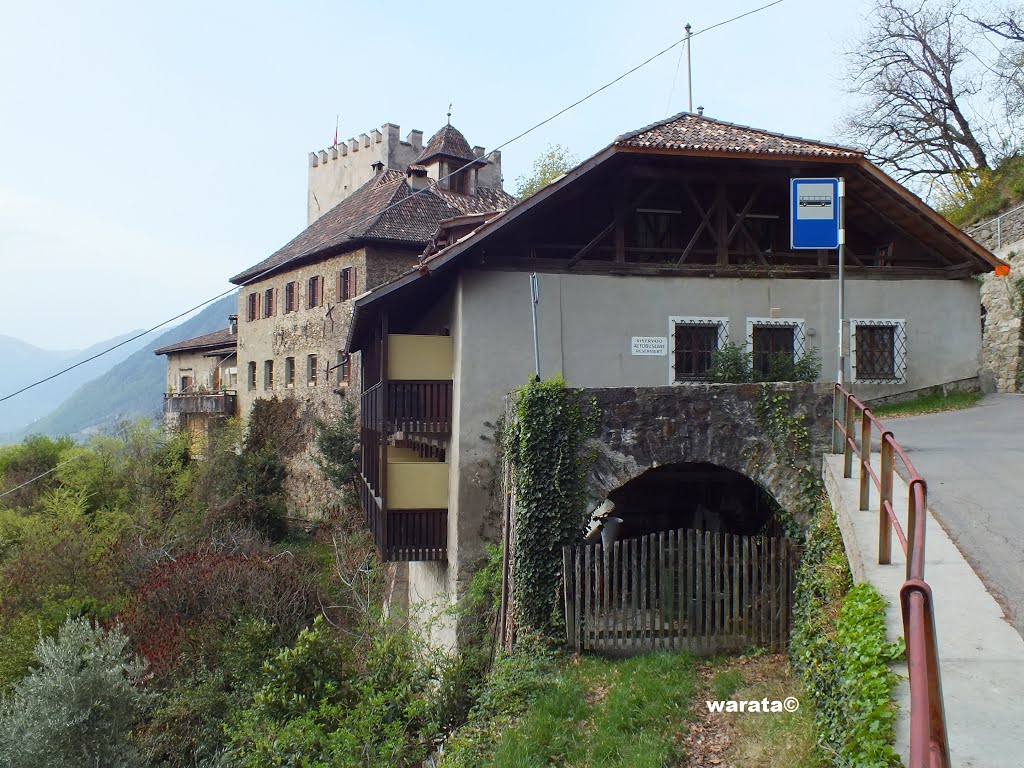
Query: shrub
[[731, 364], [839, 649], [337, 458], [79, 706], [184, 607]]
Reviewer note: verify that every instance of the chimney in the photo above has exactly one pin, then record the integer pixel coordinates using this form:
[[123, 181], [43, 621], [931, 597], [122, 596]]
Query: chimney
[[378, 167], [233, 324], [700, 111], [417, 177]]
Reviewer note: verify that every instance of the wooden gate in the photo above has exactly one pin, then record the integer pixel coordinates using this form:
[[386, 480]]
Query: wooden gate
[[685, 589]]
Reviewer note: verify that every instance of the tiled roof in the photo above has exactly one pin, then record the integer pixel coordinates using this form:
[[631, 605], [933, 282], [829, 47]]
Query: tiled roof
[[383, 209], [448, 142], [688, 131], [222, 338]]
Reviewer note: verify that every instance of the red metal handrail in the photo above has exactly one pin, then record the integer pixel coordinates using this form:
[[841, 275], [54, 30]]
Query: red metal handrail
[[929, 747]]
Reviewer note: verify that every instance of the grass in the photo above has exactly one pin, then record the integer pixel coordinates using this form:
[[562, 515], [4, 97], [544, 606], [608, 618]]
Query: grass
[[994, 191], [603, 714], [760, 741], [954, 401]]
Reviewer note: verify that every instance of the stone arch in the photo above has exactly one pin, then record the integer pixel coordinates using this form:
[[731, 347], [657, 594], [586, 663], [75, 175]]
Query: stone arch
[[711, 424]]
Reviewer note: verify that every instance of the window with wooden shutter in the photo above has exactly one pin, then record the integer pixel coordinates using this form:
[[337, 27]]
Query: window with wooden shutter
[[290, 291], [289, 371], [314, 292], [311, 370], [268, 374], [269, 302], [252, 310], [251, 374]]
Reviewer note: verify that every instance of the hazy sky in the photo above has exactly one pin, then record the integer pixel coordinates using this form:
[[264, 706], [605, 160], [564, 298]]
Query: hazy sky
[[149, 151]]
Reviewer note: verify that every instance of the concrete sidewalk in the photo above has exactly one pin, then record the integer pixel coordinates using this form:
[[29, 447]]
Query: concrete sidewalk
[[981, 657]]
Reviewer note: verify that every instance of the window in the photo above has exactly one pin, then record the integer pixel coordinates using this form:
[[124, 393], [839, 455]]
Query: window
[[291, 297], [268, 374], [459, 180], [186, 382], [252, 309], [251, 374], [231, 377], [344, 368], [311, 371], [879, 350], [289, 371], [694, 341], [269, 302], [346, 283], [314, 292], [775, 345]]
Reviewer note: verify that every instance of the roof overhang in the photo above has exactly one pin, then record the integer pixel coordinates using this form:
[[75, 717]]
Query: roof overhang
[[444, 259]]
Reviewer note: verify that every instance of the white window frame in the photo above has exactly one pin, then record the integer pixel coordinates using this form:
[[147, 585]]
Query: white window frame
[[673, 321], [798, 324], [899, 339]]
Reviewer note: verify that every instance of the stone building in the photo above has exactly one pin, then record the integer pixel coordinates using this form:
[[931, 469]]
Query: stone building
[[202, 380], [374, 204], [646, 258]]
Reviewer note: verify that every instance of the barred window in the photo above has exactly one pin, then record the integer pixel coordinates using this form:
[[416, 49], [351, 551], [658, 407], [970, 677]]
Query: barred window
[[694, 342], [879, 350], [775, 345]]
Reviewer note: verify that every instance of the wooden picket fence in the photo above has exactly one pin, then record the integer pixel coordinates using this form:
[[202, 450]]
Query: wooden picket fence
[[683, 590]]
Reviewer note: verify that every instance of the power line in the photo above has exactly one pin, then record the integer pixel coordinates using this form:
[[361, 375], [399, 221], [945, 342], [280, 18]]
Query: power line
[[427, 188], [41, 476]]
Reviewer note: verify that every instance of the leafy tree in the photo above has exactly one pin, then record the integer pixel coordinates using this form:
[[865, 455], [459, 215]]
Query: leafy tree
[[79, 706], [554, 162]]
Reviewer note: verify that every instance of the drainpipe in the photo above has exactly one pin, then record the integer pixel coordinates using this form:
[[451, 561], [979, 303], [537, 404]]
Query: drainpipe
[[534, 300]]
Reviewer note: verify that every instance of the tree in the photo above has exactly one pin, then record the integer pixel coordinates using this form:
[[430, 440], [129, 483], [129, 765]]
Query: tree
[[916, 114], [1007, 25], [79, 706], [337, 456], [554, 162]]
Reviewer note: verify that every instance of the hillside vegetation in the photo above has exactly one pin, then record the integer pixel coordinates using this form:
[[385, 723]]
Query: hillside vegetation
[[131, 389], [995, 191]]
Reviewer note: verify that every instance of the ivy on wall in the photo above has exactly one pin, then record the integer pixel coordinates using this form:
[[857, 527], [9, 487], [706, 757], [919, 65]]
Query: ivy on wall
[[544, 442], [839, 649], [791, 439]]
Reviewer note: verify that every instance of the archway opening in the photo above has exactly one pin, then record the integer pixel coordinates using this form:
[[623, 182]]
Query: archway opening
[[694, 495]]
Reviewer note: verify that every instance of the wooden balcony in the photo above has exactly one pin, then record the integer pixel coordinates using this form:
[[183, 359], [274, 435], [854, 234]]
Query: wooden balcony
[[407, 535], [412, 407], [212, 403]]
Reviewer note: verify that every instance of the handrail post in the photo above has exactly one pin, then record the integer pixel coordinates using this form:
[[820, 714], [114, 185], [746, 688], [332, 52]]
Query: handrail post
[[865, 460], [848, 445], [885, 494], [837, 418]]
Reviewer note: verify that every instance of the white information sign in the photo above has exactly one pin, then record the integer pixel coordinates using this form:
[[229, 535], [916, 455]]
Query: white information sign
[[656, 346]]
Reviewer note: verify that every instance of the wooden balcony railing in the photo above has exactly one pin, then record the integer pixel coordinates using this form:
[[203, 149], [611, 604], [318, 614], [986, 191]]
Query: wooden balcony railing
[[405, 534], [413, 407], [201, 402]]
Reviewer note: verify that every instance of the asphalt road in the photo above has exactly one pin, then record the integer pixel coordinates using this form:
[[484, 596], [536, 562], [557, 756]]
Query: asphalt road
[[973, 461]]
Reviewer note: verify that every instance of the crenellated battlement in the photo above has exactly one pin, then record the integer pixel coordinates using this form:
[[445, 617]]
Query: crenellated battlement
[[336, 172]]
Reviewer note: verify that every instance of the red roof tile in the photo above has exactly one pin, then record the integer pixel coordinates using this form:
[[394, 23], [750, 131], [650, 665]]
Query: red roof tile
[[222, 339], [687, 131], [447, 142]]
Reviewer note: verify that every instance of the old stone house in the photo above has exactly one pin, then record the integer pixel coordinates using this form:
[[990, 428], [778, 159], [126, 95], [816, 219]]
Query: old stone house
[[373, 205], [649, 257], [202, 381]]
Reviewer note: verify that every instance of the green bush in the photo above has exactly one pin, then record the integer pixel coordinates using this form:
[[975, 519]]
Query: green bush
[[838, 647], [79, 706], [732, 364], [337, 456]]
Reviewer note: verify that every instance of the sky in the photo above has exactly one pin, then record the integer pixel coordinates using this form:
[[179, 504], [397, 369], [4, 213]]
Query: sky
[[150, 151]]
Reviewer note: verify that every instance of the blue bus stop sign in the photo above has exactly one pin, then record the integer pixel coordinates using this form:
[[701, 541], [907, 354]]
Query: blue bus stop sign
[[814, 213]]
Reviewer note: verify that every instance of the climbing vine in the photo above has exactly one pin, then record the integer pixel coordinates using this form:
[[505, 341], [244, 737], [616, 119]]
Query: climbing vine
[[544, 442], [791, 439]]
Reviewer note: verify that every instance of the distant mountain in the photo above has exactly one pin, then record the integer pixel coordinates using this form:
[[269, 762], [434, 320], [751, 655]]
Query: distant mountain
[[131, 389], [25, 363]]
